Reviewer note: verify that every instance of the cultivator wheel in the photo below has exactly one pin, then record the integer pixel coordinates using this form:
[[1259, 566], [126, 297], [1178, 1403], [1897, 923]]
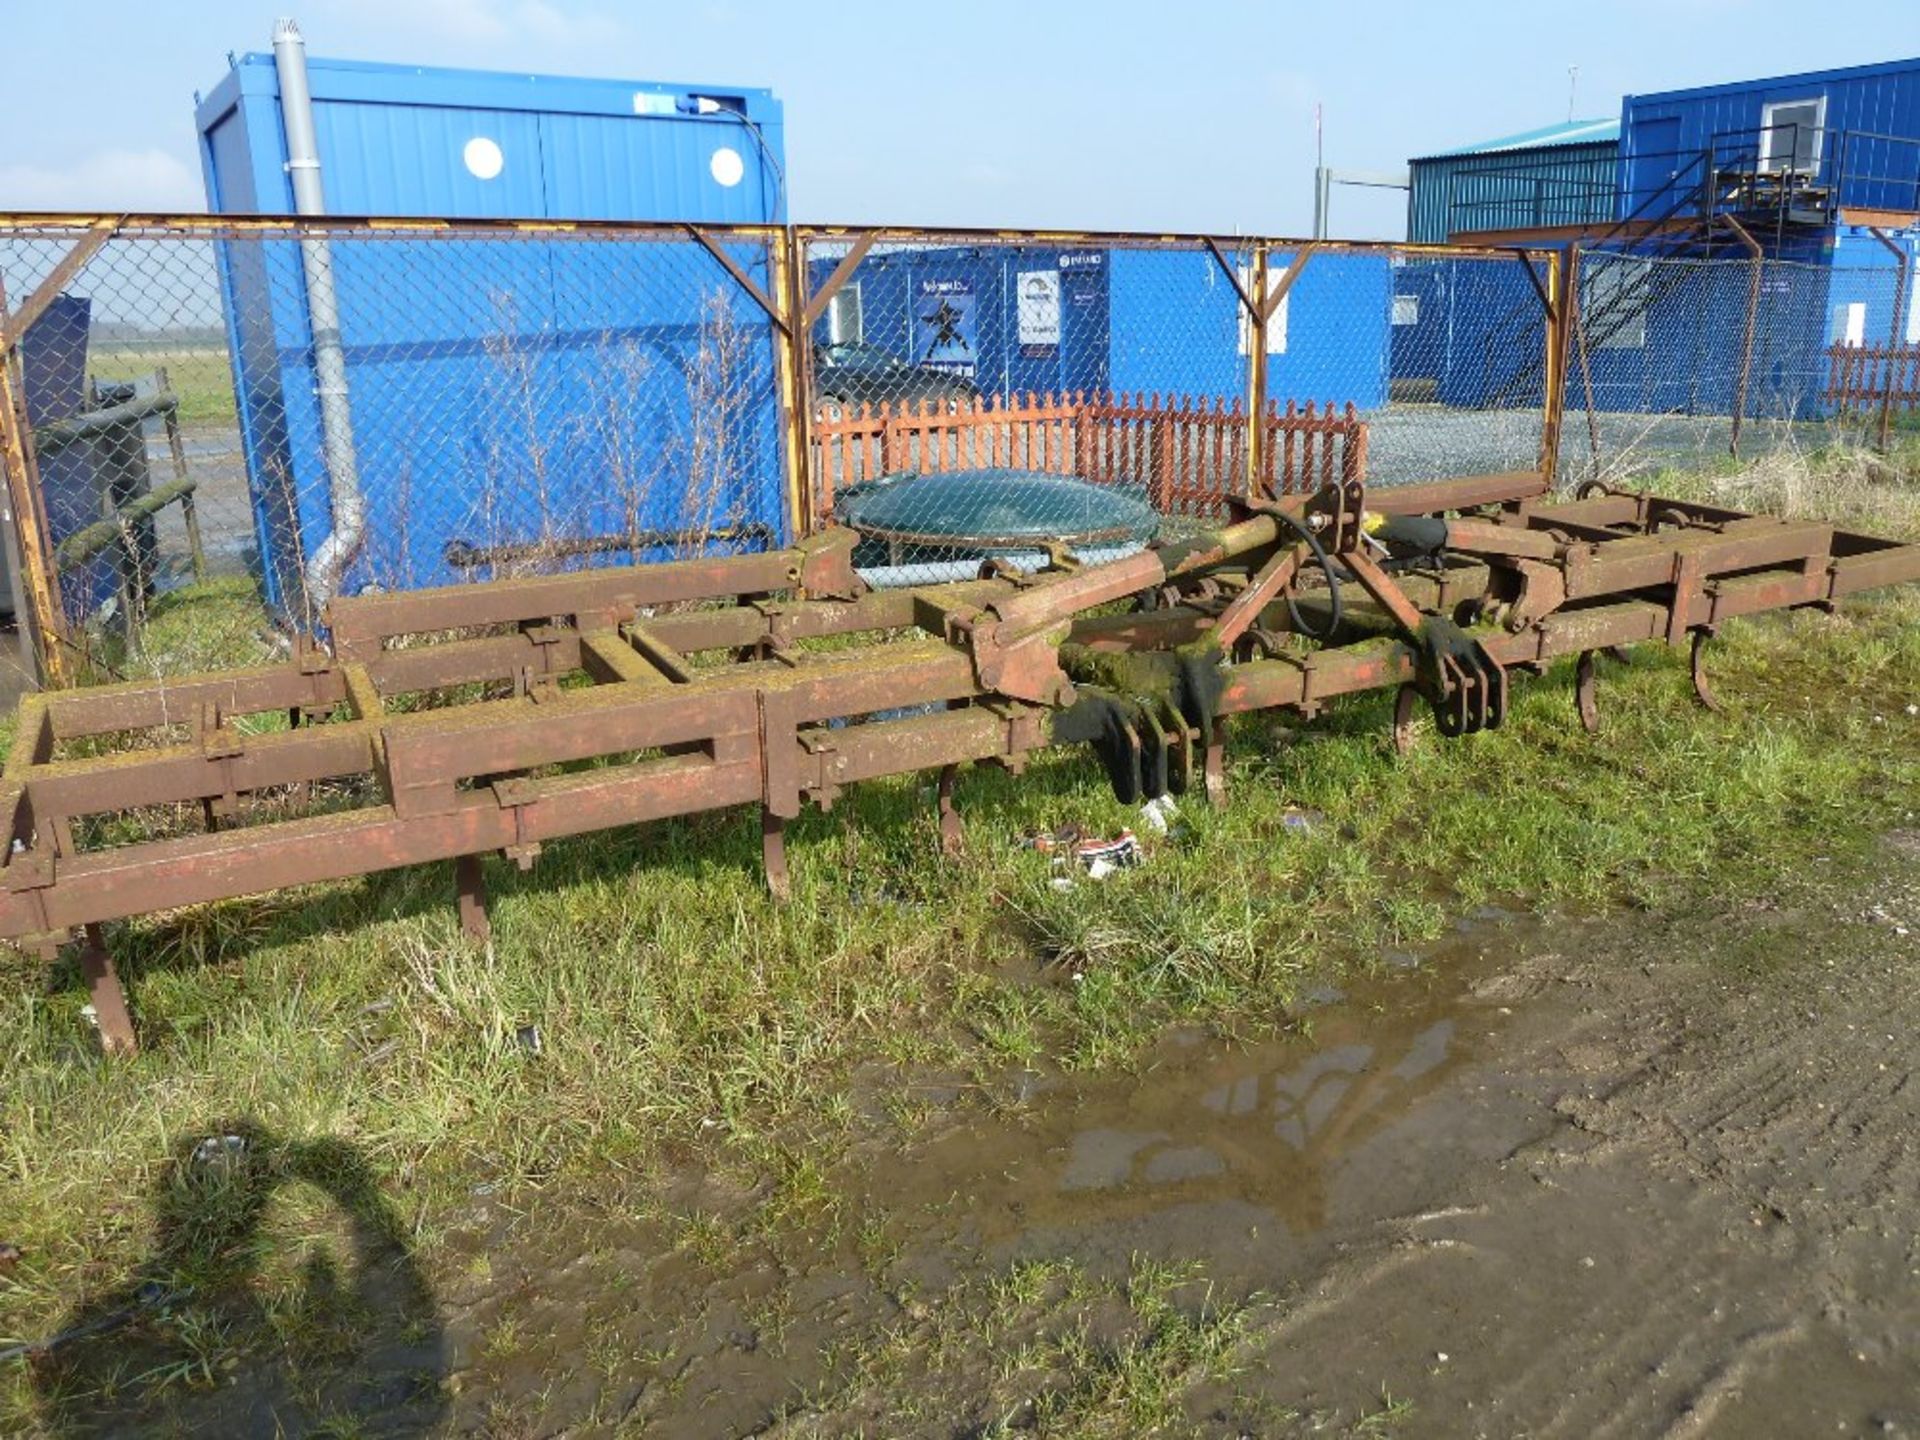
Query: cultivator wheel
[[640, 693]]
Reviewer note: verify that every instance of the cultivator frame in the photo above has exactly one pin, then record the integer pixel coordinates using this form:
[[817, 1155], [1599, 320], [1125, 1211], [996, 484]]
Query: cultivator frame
[[443, 725]]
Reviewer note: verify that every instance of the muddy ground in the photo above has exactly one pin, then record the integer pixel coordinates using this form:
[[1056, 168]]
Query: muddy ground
[[1625, 1176]]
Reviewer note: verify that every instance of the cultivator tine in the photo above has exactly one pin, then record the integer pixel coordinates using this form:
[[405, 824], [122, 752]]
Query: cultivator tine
[[773, 855], [470, 886], [1179, 737], [950, 833], [1697, 667], [1586, 700], [1154, 769], [1472, 692], [1499, 693], [109, 1000], [1453, 711]]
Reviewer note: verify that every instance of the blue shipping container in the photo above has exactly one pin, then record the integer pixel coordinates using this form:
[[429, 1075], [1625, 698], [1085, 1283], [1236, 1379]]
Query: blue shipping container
[[414, 140], [513, 390]]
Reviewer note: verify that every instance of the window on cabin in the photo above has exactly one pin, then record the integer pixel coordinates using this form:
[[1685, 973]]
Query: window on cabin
[[1850, 324], [1276, 322], [1790, 135], [845, 323]]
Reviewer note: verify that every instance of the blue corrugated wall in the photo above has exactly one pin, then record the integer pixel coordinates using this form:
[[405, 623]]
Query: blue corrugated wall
[[1864, 100], [1177, 329]]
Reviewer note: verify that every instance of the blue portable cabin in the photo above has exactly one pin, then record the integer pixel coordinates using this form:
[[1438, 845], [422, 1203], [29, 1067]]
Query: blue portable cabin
[[1129, 319], [1849, 138], [1812, 165], [892, 298], [481, 371]]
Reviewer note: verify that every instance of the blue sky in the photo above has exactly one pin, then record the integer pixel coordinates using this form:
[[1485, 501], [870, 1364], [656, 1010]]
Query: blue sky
[[1129, 114]]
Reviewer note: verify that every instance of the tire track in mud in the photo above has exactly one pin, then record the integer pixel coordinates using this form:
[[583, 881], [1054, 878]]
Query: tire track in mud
[[1728, 1172], [1815, 1116]]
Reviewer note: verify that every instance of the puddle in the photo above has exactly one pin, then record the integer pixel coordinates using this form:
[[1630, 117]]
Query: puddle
[[1258, 1162], [1210, 1145]]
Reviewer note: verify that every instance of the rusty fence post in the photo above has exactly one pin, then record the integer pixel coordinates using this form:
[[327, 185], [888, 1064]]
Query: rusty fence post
[[1559, 310], [42, 618], [1577, 334], [1890, 372], [1756, 261], [789, 264], [1256, 331]]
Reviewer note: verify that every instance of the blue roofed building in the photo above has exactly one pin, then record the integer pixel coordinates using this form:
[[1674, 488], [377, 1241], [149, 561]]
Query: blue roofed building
[[1558, 175], [1817, 175]]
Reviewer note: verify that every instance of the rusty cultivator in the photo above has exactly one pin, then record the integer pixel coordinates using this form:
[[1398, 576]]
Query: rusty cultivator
[[446, 724]]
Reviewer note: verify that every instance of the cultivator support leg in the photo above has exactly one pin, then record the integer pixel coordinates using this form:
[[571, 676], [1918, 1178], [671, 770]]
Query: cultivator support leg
[[773, 855], [1213, 765], [470, 884], [1697, 668], [949, 817], [1586, 700], [109, 1000]]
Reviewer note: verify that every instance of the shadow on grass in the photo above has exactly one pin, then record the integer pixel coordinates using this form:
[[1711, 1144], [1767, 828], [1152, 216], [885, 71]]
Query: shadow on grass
[[280, 1297]]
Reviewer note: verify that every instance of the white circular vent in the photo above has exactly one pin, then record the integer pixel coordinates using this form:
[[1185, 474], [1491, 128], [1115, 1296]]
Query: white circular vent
[[727, 166], [483, 158]]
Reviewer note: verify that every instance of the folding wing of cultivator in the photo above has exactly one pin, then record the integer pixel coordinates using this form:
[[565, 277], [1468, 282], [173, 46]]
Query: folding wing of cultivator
[[446, 724]]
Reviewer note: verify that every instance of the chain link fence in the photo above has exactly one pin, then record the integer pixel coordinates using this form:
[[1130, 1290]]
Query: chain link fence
[[976, 399], [1689, 363], [309, 410], [271, 412]]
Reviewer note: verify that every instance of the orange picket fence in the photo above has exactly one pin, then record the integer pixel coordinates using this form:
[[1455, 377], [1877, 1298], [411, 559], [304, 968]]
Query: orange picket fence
[[1188, 455]]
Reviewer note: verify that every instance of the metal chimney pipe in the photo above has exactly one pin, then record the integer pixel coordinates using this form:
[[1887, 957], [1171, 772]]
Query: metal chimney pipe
[[336, 552]]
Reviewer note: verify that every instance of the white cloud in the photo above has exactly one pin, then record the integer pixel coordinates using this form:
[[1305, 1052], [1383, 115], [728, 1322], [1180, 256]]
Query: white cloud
[[109, 179]]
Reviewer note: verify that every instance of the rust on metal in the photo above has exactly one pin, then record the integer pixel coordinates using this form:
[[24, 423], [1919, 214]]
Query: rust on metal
[[569, 704]]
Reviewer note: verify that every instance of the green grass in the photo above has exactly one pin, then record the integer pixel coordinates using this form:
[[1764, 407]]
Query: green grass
[[201, 376], [1048, 1348], [688, 1021]]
